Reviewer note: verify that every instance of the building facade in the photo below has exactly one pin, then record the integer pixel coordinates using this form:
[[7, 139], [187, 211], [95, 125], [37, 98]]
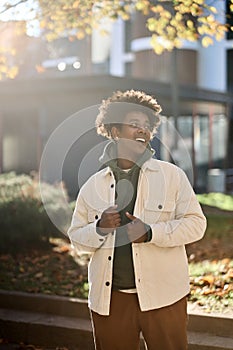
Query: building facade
[[193, 84], [205, 124]]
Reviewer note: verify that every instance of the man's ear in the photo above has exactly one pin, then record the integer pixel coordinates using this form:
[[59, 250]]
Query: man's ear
[[115, 132]]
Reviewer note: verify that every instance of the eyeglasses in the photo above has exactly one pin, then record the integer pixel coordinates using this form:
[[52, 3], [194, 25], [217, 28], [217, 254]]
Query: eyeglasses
[[136, 125]]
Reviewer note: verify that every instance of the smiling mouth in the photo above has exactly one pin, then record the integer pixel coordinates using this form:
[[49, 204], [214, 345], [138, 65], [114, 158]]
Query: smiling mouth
[[141, 140]]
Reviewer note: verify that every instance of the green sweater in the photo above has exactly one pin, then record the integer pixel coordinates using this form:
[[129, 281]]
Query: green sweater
[[123, 270], [125, 197]]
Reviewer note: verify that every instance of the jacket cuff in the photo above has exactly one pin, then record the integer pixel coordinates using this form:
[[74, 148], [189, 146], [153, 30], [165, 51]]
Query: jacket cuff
[[98, 229], [148, 232]]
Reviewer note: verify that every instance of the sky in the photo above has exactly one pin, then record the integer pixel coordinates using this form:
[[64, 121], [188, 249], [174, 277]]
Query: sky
[[24, 11]]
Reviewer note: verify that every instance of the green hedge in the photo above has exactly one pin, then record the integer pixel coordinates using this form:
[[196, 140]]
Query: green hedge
[[215, 199], [23, 219]]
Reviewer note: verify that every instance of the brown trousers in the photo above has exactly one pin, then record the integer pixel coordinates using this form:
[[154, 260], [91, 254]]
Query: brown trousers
[[162, 329]]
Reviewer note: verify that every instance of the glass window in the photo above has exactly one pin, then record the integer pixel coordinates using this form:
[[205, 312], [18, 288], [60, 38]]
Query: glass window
[[230, 70], [195, 143], [229, 19]]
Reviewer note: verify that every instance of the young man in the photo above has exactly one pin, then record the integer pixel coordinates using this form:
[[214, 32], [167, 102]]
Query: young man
[[134, 218]]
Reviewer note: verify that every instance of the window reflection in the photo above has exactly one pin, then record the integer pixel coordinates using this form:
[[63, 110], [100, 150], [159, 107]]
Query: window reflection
[[199, 144]]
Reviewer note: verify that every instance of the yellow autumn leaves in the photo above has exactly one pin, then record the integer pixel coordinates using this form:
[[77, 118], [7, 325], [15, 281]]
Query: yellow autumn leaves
[[7, 68], [187, 20], [170, 23]]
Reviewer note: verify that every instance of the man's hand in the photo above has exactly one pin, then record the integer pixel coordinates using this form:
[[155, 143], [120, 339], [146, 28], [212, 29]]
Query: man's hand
[[136, 229], [110, 220]]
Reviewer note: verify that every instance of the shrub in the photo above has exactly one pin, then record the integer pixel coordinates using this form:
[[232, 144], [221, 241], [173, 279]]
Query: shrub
[[24, 220], [216, 199]]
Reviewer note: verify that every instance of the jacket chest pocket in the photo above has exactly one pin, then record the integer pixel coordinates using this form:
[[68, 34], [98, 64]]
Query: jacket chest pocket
[[158, 210]]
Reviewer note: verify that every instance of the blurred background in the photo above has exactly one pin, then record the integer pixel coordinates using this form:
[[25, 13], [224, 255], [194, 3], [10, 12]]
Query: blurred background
[[49, 74], [58, 61]]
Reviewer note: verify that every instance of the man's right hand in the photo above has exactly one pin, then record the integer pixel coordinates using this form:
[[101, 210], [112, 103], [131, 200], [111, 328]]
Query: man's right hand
[[110, 220]]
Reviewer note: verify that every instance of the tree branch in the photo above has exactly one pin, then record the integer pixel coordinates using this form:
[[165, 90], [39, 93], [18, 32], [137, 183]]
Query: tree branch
[[9, 6]]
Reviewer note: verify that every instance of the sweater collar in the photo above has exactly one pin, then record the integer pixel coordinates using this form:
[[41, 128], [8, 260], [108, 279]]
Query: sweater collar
[[109, 156]]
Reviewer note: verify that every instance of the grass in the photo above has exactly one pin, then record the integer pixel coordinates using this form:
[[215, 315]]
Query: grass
[[50, 271], [211, 259], [57, 271], [212, 285]]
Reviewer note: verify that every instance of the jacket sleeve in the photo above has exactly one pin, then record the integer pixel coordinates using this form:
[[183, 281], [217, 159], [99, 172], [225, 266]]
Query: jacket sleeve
[[82, 232], [189, 224]]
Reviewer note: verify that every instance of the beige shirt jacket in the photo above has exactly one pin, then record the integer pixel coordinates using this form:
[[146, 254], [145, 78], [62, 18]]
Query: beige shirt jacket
[[165, 201]]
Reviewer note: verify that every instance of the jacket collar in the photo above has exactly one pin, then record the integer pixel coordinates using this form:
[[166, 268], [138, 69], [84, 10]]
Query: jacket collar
[[151, 164], [107, 171]]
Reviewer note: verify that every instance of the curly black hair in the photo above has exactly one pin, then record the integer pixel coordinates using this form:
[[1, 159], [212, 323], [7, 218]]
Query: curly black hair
[[113, 110]]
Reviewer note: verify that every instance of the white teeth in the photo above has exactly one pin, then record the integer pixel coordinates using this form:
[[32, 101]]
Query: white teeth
[[140, 139]]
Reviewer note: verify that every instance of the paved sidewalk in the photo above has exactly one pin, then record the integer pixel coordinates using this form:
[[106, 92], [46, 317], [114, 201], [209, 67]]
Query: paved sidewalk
[[15, 346], [61, 323]]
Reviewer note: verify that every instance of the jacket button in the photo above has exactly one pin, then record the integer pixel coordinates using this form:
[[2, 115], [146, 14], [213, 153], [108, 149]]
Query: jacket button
[[96, 217], [109, 258], [107, 284], [112, 185], [160, 206]]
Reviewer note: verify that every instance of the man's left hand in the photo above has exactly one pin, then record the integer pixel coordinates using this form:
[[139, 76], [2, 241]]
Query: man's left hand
[[136, 229]]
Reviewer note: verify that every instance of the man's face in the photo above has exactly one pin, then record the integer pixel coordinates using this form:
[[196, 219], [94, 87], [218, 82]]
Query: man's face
[[135, 133]]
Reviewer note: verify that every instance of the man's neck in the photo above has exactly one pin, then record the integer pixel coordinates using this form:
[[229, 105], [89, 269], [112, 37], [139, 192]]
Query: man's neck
[[125, 163]]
